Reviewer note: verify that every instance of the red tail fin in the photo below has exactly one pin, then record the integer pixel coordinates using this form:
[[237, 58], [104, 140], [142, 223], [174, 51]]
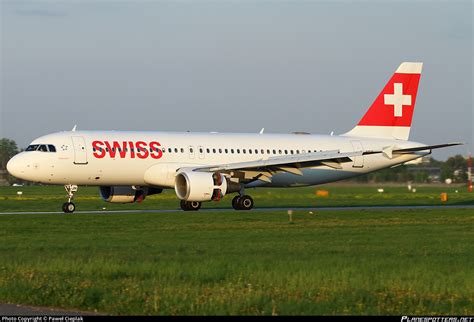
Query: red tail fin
[[391, 113]]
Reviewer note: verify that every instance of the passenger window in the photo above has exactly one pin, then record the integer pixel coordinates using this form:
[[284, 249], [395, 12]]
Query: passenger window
[[279, 151], [243, 151], [207, 150], [226, 151], [263, 151], [291, 151], [169, 150], [232, 151], [250, 151], [220, 150], [191, 150], [238, 150], [200, 150], [256, 151], [268, 151], [182, 150], [175, 150]]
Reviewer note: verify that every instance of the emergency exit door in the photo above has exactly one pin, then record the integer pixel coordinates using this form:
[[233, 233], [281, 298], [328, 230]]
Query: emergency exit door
[[358, 160]]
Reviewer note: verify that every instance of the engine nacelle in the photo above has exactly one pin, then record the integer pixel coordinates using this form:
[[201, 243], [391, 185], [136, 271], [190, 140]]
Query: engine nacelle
[[200, 186], [126, 194]]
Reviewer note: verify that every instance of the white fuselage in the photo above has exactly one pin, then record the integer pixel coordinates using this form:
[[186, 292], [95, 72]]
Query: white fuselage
[[77, 161]]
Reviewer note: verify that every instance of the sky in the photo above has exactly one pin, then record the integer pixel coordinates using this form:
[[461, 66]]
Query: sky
[[231, 66]]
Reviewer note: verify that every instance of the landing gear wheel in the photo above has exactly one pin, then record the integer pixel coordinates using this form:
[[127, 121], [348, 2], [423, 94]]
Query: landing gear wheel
[[235, 202], [69, 207], [190, 205], [245, 202], [242, 202]]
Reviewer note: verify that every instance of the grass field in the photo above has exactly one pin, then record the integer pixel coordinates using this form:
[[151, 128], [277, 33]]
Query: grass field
[[344, 262], [50, 198]]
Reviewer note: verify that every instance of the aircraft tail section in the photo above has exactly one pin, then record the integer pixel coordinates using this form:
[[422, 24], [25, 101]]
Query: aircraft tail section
[[391, 113]]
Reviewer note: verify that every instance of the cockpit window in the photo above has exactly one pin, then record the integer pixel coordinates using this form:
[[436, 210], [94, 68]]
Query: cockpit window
[[41, 147], [33, 147]]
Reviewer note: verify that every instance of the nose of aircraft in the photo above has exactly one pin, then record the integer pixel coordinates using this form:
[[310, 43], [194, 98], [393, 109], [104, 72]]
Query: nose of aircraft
[[14, 166]]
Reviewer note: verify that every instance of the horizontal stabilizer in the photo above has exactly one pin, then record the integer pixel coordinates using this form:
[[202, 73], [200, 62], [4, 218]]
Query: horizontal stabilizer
[[427, 147]]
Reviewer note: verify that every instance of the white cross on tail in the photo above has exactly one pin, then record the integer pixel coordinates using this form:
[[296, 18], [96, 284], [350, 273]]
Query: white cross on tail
[[397, 99]]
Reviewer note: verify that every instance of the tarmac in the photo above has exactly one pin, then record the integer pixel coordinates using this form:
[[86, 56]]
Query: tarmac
[[263, 209]]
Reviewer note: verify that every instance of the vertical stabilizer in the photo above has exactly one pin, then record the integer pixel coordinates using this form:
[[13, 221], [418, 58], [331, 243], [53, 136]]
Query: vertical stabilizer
[[391, 113]]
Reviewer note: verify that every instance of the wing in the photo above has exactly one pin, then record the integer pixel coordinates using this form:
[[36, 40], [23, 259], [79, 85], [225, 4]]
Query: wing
[[263, 169]]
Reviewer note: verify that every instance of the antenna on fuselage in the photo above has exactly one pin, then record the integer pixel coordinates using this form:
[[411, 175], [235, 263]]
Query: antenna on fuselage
[[74, 128], [261, 131]]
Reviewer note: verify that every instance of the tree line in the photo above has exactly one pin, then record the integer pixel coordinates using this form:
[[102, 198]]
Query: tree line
[[429, 171]]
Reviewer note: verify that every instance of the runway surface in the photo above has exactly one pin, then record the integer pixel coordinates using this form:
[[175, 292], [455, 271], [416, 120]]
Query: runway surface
[[131, 211]]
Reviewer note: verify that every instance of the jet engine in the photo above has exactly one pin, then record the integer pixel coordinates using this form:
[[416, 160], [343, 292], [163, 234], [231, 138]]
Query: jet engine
[[200, 186], [126, 194]]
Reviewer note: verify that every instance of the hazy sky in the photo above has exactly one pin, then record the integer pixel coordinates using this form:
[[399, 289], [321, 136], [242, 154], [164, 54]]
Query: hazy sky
[[231, 66]]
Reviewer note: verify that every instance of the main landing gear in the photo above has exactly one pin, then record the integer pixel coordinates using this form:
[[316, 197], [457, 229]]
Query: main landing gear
[[190, 205], [244, 202], [69, 207]]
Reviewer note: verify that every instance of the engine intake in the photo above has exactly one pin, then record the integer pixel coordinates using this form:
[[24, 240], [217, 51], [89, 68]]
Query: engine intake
[[126, 194], [200, 186]]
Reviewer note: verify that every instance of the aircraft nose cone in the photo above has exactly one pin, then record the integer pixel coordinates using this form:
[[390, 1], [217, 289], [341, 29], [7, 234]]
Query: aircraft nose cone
[[14, 167]]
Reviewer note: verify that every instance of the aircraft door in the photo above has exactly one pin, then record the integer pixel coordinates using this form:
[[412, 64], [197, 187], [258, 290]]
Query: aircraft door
[[358, 160], [191, 152], [80, 151]]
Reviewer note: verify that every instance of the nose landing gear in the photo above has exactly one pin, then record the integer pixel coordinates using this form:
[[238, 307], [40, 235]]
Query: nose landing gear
[[69, 206]]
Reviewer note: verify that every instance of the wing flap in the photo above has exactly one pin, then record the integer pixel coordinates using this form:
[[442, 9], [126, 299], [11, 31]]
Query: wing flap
[[288, 163]]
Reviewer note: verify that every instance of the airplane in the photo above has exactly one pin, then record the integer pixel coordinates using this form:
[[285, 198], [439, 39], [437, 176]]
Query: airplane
[[128, 166]]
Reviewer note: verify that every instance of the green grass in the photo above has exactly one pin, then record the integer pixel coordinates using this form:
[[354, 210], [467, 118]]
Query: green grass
[[347, 262], [50, 198]]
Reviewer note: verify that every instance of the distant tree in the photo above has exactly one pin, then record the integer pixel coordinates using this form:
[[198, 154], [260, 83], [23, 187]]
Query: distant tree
[[8, 149], [455, 168]]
